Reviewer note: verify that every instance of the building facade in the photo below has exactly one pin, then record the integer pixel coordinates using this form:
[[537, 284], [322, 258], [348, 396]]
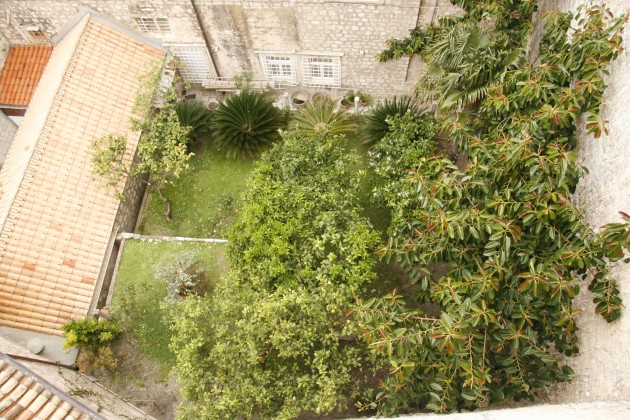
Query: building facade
[[311, 45]]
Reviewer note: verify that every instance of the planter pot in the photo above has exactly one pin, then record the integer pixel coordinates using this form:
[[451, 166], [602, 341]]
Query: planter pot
[[299, 99], [345, 104]]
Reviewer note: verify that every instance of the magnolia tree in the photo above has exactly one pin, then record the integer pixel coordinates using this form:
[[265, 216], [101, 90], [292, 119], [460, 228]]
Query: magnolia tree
[[511, 247]]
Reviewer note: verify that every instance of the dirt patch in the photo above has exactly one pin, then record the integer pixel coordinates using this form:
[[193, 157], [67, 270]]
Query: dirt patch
[[140, 380]]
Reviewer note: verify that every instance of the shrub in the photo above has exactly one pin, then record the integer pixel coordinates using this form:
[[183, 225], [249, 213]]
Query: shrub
[[319, 116], [271, 342], [97, 360], [498, 244], [197, 116], [365, 99], [246, 124], [90, 333], [408, 144], [377, 122], [181, 275]]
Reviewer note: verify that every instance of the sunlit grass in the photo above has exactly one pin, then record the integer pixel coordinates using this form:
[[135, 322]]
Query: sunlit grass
[[138, 295], [206, 200]]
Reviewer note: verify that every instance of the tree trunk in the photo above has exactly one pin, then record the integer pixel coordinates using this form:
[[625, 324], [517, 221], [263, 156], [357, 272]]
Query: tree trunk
[[169, 205]]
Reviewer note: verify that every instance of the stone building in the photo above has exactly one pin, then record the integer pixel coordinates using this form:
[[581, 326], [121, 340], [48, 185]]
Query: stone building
[[58, 228], [306, 45]]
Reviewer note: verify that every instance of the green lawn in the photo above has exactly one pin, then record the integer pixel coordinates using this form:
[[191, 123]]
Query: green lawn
[[206, 200], [138, 295]]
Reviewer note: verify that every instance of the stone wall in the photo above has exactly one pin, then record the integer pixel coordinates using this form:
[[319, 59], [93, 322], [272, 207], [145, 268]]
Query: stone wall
[[129, 209], [4, 50], [126, 219], [356, 31], [603, 366], [237, 31], [7, 132], [52, 15]]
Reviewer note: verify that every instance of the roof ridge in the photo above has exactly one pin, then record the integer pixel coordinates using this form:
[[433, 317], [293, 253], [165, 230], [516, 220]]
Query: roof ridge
[[42, 137]]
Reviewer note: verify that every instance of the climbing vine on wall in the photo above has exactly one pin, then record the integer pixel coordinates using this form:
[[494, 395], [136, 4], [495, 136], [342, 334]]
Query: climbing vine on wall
[[512, 247]]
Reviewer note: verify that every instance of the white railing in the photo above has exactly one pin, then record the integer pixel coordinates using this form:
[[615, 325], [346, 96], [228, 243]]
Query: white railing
[[229, 83]]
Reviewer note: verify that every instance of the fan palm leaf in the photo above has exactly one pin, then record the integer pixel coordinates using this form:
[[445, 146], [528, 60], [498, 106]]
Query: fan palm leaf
[[320, 117], [246, 124], [460, 66]]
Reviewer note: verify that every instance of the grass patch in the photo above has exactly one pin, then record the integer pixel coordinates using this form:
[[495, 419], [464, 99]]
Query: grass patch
[[138, 295], [206, 200]]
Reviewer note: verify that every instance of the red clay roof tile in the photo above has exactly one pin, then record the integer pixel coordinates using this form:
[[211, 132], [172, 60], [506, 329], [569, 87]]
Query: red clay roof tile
[[57, 221], [22, 70]]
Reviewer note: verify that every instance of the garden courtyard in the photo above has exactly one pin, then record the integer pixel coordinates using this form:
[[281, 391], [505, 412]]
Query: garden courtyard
[[206, 201], [389, 262]]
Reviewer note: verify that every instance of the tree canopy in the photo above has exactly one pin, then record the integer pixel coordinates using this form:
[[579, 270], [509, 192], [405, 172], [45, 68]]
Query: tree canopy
[[498, 245], [272, 340], [161, 153]]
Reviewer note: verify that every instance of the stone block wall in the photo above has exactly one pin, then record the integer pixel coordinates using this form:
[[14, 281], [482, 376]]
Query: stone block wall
[[7, 132], [4, 50], [603, 366], [238, 30], [52, 15], [355, 31]]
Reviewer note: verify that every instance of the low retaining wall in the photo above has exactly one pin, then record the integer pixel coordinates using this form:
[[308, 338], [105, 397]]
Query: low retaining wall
[[149, 238]]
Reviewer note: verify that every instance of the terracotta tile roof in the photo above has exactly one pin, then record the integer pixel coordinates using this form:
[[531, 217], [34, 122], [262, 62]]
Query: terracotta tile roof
[[55, 221], [93, 399], [26, 395], [22, 70]]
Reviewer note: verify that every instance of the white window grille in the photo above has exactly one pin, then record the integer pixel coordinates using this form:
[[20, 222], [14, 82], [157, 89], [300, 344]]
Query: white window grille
[[154, 25], [321, 71], [279, 68], [35, 35], [194, 63]]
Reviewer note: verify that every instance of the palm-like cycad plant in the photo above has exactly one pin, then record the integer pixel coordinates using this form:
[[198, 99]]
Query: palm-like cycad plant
[[246, 124], [194, 114], [376, 125], [320, 117]]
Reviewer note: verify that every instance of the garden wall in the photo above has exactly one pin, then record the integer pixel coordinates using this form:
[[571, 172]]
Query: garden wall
[[603, 367], [126, 219]]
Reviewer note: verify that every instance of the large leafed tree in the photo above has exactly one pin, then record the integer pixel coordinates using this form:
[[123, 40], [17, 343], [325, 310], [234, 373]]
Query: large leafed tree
[[496, 244]]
